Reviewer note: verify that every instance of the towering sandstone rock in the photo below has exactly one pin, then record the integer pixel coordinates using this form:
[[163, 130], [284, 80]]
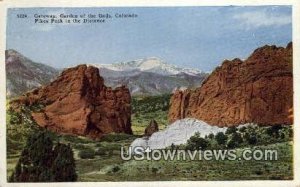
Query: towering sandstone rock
[[259, 90], [78, 102]]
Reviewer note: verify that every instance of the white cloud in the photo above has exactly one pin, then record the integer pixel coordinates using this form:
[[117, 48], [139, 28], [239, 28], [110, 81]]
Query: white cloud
[[256, 19]]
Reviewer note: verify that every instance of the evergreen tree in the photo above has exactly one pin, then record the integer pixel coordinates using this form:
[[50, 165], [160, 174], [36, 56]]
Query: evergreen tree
[[39, 162], [63, 167], [221, 138]]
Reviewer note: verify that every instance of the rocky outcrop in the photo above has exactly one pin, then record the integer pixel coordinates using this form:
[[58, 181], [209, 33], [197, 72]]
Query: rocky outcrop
[[78, 102], [151, 128], [259, 90], [177, 133]]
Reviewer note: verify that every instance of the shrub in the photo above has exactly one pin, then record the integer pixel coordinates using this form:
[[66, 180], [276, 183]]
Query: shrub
[[102, 151], [258, 172], [196, 142], [221, 138], [242, 129], [231, 130], [154, 170], [230, 144], [14, 117], [211, 136], [79, 146], [274, 130], [115, 169], [250, 138], [286, 133], [87, 154], [173, 147], [234, 140]]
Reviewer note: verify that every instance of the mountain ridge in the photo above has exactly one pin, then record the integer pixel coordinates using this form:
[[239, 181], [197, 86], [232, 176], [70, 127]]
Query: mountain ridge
[[22, 74], [142, 78], [150, 64]]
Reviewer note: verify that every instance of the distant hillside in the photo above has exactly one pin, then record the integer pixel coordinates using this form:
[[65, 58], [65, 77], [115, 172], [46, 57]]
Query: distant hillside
[[22, 74], [150, 76]]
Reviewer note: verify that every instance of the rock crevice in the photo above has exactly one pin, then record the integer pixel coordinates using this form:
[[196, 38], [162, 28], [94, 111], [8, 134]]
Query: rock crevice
[[259, 90], [78, 102]]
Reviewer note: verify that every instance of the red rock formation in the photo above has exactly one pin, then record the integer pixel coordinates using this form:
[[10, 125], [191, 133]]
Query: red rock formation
[[259, 90], [151, 128], [78, 102]]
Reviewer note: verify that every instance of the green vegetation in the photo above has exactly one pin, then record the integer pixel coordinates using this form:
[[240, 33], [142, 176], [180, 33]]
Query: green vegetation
[[40, 162], [87, 153], [19, 127], [145, 108], [196, 142], [149, 104], [245, 136], [99, 160], [196, 170]]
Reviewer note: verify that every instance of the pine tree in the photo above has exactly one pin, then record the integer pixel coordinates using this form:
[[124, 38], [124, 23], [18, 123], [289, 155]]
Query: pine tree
[[39, 162], [63, 166]]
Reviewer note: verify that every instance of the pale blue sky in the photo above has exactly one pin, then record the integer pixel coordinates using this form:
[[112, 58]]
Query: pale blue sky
[[195, 37]]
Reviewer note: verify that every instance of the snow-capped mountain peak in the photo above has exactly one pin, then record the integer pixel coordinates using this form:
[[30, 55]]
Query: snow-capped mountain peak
[[152, 64]]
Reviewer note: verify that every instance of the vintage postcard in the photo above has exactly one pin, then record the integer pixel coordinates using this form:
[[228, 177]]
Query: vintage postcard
[[165, 92]]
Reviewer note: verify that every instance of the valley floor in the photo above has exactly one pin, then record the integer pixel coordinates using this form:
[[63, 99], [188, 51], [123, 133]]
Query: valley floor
[[101, 160], [110, 167]]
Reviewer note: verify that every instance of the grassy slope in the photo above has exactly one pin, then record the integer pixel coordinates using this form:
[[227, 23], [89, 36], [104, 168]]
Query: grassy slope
[[108, 165], [145, 108], [189, 170]]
